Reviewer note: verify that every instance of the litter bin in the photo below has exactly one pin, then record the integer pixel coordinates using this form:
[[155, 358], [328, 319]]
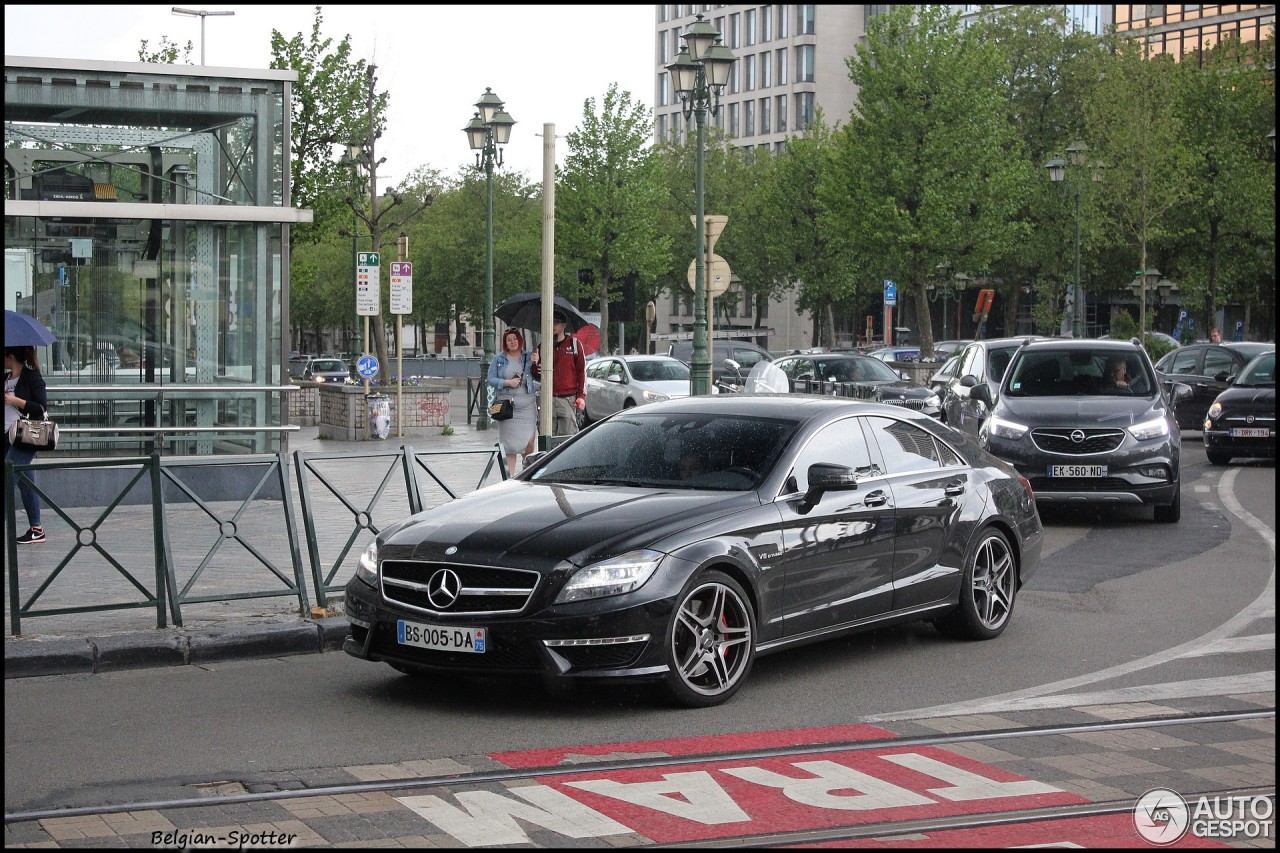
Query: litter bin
[[379, 415]]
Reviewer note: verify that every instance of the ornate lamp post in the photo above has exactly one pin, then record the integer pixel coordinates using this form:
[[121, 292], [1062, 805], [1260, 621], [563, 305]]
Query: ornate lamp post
[[1144, 282], [699, 74], [490, 128], [950, 286], [1057, 167]]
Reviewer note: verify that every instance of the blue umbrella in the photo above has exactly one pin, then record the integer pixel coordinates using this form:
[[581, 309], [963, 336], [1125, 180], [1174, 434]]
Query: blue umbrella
[[23, 331]]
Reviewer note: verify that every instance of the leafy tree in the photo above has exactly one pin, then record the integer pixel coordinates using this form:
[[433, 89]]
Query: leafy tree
[[1135, 128], [929, 169], [166, 53], [607, 203]]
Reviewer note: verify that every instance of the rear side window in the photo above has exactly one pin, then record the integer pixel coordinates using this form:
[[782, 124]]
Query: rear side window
[[905, 447], [998, 362], [1184, 362], [1219, 361]]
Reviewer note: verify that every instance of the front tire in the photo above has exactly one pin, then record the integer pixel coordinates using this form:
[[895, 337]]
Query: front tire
[[987, 591], [710, 641], [1170, 512], [1217, 457]]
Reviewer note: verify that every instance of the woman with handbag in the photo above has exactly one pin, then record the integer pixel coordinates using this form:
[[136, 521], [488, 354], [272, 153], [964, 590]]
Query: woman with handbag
[[24, 395], [512, 379]]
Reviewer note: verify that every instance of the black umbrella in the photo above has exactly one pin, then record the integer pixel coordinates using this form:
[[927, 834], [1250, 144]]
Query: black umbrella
[[524, 311], [21, 330]]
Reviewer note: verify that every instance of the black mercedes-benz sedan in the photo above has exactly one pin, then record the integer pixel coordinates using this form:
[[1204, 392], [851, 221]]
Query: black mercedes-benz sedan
[[676, 541]]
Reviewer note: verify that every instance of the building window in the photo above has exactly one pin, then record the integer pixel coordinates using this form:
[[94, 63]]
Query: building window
[[782, 65], [765, 126], [805, 23], [766, 23], [804, 110], [749, 25], [804, 63], [733, 120], [749, 118], [734, 36], [783, 11], [734, 78], [766, 70], [782, 113], [749, 70]]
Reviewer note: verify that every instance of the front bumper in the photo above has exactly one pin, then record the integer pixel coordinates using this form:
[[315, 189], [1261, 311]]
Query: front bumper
[[1137, 473], [608, 638], [1222, 440]]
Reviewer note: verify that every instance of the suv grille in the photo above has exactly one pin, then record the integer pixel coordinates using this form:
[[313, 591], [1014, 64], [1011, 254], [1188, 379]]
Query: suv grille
[[918, 405], [466, 589], [1059, 440]]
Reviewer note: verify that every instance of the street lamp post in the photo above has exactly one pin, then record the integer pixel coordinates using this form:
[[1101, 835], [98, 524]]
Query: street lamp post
[[1144, 281], [699, 74], [490, 128], [950, 287], [201, 14], [1057, 167], [354, 157]]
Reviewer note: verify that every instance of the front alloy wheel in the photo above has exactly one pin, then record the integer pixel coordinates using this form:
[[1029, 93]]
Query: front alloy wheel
[[710, 641], [986, 596]]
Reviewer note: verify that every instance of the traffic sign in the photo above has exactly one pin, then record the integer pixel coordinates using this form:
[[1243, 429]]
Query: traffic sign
[[368, 284], [401, 287], [367, 366], [718, 274], [890, 292]]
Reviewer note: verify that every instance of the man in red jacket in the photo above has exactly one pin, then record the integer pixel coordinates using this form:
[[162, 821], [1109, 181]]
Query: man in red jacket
[[568, 378]]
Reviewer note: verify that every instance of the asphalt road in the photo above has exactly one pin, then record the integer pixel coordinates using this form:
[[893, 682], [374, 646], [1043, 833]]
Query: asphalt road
[[1122, 610]]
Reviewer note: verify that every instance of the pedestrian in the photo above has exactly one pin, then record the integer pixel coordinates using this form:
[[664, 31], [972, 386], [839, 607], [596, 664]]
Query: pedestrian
[[24, 394], [511, 377], [1215, 335], [568, 377]]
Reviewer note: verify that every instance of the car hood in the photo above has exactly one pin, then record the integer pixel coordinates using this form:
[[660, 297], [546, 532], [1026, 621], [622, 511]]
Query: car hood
[[1079, 411], [535, 524], [898, 390], [1258, 396]]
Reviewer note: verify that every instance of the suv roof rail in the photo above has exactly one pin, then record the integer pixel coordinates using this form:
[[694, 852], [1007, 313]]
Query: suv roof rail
[[1137, 342]]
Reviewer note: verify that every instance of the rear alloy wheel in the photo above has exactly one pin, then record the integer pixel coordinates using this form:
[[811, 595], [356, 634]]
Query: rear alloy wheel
[[1217, 457], [710, 641], [987, 592], [1169, 513]]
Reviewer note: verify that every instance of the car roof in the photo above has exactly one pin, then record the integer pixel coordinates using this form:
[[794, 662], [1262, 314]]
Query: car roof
[[797, 408], [1093, 344]]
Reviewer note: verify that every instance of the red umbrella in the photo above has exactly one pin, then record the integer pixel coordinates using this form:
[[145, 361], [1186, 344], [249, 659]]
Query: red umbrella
[[589, 336]]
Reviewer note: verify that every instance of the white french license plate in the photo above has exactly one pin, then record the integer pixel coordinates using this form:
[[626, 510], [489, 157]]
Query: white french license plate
[[443, 638], [1077, 470], [1250, 432]]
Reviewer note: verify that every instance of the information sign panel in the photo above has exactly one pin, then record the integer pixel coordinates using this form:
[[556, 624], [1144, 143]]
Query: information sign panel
[[368, 284], [401, 287]]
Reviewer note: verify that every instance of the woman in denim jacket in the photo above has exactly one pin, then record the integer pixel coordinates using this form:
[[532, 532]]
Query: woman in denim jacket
[[512, 379]]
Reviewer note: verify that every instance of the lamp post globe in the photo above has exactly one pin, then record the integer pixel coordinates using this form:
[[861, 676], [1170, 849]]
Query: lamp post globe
[[487, 130]]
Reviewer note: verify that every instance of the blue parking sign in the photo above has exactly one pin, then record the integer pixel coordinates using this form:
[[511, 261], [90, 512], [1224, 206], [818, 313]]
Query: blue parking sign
[[890, 292]]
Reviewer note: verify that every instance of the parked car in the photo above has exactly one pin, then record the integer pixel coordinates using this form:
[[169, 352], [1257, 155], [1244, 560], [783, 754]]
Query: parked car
[[981, 363], [326, 370], [1082, 436], [945, 349], [1160, 336], [856, 376], [1208, 369], [746, 355], [1242, 420], [622, 381], [895, 353], [608, 557], [942, 377]]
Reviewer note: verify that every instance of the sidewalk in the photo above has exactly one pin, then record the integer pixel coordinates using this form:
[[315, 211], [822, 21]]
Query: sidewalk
[[215, 630]]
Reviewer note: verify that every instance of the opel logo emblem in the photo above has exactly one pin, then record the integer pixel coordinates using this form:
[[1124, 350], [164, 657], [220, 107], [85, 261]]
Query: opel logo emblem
[[1077, 436], [443, 589]]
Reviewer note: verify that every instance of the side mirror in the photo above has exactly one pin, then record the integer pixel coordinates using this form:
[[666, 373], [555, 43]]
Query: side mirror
[[1223, 377], [981, 393], [1181, 391], [968, 381], [730, 364], [614, 379], [826, 477], [904, 376], [534, 458]]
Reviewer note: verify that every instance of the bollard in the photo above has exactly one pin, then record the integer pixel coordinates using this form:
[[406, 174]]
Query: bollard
[[379, 416]]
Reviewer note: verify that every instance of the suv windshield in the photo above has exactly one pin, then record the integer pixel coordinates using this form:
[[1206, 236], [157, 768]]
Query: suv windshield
[[1259, 372], [1080, 372]]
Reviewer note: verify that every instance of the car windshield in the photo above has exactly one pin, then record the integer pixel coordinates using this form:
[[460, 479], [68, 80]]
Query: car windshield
[[857, 370], [1261, 372], [1080, 372], [328, 365], [678, 451], [659, 371]]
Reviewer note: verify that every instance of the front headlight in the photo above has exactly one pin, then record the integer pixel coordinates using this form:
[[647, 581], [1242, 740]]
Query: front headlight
[[1215, 411], [653, 396], [1146, 430], [624, 573], [932, 402], [1006, 429], [367, 568]]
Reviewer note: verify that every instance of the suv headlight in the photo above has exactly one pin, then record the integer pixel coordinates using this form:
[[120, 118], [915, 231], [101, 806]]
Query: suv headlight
[[367, 567], [1215, 411], [1006, 429], [932, 402], [615, 576], [1146, 430]]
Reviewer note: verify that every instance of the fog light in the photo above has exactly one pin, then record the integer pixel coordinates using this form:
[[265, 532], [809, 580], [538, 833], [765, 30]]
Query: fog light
[[1155, 472]]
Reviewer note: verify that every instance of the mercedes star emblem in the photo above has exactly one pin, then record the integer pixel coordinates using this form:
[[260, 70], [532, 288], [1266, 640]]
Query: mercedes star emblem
[[443, 589]]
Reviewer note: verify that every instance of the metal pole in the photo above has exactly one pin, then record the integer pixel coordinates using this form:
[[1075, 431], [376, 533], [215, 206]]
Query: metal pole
[[1078, 312], [700, 361], [202, 17], [489, 148]]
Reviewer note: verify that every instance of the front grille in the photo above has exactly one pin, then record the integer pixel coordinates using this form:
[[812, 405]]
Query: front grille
[[1080, 484], [918, 405], [1058, 440], [484, 589]]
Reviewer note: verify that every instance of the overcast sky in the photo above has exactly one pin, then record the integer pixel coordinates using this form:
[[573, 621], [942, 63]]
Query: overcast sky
[[435, 61]]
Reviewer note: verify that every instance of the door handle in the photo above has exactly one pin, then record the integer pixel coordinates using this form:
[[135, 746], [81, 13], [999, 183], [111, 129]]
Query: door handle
[[875, 499]]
